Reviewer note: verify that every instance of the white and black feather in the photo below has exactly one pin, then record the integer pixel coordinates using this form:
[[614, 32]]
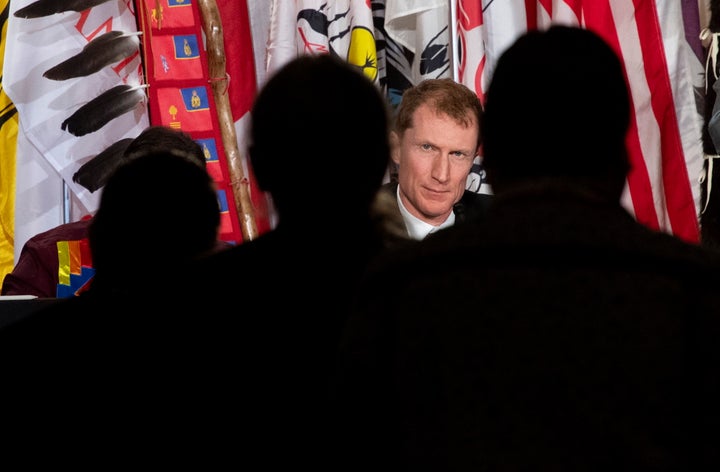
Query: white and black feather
[[41, 8], [102, 51], [105, 107], [94, 173]]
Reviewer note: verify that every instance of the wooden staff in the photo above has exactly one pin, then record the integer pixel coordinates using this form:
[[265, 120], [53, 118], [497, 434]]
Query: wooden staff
[[220, 82]]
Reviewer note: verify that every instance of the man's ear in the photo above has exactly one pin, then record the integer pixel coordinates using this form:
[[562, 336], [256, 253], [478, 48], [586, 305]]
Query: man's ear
[[395, 147]]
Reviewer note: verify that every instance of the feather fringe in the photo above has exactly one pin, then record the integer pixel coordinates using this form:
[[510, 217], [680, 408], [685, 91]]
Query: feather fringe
[[94, 173], [102, 51], [41, 8], [102, 109]]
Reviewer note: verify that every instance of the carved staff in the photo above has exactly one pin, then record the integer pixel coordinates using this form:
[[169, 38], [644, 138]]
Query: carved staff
[[218, 76]]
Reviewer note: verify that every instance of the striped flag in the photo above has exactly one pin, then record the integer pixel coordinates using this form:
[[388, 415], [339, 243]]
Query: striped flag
[[664, 74], [75, 269]]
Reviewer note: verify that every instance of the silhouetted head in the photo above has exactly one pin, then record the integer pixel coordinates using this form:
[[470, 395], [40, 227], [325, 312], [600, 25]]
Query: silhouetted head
[[156, 213], [319, 139], [94, 173], [558, 108], [163, 138]]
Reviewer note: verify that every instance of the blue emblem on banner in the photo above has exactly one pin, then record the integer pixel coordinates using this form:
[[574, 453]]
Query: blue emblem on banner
[[209, 149], [222, 201], [186, 47], [195, 98]]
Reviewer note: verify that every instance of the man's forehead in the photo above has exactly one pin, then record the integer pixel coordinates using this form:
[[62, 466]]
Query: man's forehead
[[428, 112]]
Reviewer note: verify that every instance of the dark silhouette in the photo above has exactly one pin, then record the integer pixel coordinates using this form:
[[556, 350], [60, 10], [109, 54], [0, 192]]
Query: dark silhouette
[[557, 334], [710, 213], [274, 306], [167, 195], [90, 368], [435, 137]]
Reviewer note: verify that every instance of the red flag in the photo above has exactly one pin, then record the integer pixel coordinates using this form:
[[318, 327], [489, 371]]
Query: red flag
[[181, 96], [240, 66]]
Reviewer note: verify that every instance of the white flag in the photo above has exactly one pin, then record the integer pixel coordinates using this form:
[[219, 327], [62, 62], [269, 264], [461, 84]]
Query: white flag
[[43, 105]]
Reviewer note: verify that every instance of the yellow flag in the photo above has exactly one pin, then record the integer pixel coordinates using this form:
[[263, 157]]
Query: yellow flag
[[8, 142]]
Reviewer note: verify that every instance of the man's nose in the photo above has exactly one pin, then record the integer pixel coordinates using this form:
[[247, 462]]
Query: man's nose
[[441, 167]]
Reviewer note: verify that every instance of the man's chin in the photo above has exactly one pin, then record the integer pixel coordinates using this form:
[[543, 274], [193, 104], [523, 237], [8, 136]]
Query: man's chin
[[436, 214]]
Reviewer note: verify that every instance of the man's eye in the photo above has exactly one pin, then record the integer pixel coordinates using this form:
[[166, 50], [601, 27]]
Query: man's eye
[[426, 147], [461, 156]]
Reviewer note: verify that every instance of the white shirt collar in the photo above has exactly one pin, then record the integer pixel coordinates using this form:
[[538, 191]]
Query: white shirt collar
[[418, 229]]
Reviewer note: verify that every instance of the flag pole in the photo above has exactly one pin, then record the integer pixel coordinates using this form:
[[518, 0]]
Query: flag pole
[[453, 40], [220, 81]]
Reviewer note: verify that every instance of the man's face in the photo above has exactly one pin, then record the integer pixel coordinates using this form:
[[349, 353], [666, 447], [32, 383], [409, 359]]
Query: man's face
[[434, 158]]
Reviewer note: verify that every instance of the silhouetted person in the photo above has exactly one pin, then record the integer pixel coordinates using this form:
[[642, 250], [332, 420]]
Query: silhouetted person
[[166, 195], [92, 371], [560, 334], [273, 307]]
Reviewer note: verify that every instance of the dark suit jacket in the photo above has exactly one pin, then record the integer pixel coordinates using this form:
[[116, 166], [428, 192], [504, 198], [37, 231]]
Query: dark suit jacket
[[471, 206], [558, 334], [273, 312], [106, 362]]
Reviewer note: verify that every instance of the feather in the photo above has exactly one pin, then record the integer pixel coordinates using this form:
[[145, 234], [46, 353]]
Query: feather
[[102, 51], [42, 8], [94, 173], [102, 109]]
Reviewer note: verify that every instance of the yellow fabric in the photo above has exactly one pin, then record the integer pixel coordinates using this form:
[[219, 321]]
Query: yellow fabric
[[8, 144], [64, 262]]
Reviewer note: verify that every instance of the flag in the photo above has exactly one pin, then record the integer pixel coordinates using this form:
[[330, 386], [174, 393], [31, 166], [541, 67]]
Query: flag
[[182, 94], [281, 46], [259, 11], [47, 154], [343, 28], [242, 88], [421, 27], [8, 138], [399, 66], [662, 68]]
